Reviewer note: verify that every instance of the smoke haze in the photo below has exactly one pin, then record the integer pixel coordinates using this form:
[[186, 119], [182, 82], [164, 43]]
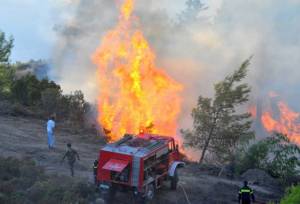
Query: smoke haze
[[197, 50]]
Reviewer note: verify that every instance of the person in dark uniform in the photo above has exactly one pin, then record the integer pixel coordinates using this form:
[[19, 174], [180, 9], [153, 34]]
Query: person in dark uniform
[[246, 194], [95, 169], [71, 155]]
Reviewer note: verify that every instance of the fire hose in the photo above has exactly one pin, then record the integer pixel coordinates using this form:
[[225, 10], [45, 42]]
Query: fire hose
[[185, 194]]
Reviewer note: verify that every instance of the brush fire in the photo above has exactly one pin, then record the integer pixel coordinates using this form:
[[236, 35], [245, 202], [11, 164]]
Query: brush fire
[[279, 118], [135, 94]]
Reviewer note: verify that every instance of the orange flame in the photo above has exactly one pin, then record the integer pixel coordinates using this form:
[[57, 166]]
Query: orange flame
[[134, 95], [253, 111], [287, 123]]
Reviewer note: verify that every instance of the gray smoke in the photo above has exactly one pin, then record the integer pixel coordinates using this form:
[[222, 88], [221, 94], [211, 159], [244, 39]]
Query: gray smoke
[[196, 48]]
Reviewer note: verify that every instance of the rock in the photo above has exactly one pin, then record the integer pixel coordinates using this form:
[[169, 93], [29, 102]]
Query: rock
[[99, 201], [209, 169], [259, 177]]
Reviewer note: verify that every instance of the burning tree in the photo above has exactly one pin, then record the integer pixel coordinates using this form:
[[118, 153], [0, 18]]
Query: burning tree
[[286, 123], [218, 127]]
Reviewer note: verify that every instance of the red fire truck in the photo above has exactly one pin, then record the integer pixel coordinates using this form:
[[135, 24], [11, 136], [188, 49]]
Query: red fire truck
[[139, 163]]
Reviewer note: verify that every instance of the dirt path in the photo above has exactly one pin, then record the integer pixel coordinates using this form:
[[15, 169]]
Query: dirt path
[[26, 138]]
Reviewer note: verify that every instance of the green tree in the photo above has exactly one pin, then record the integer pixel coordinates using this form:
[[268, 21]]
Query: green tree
[[50, 100], [284, 154], [6, 46], [218, 127], [77, 107], [6, 74], [27, 90], [275, 154], [6, 79], [255, 157]]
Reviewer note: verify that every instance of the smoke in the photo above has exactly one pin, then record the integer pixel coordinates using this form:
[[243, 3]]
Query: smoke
[[198, 50]]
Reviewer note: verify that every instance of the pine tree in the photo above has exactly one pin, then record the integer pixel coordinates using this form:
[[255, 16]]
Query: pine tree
[[218, 127]]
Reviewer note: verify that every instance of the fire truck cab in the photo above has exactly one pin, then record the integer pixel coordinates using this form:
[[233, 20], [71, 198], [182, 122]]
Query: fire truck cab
[[138, 163]]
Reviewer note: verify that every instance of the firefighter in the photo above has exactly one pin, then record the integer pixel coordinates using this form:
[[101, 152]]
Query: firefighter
[[246, 194], [71, 155], [95, 169]]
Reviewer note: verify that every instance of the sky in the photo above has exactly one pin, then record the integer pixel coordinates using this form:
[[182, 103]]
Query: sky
[[30, 25]]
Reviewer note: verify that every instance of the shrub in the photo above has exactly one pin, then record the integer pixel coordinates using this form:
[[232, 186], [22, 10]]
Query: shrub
[[292, 195], [275, 154], [255, 157], [6, 78], [77, 107], [24, 182], [27, 90], [50, 100]]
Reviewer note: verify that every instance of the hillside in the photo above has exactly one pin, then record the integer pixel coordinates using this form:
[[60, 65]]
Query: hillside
[[25, 138]]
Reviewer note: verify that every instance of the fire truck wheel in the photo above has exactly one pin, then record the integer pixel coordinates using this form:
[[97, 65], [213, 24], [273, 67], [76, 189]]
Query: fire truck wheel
[[149, 194], [174, 180], [147, 197]]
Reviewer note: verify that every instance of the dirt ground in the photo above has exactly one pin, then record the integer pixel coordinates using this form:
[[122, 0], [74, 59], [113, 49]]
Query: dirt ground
[[26, 138]]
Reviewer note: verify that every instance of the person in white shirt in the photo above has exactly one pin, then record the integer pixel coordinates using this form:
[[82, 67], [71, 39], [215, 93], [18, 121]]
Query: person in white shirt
[[50, 132]]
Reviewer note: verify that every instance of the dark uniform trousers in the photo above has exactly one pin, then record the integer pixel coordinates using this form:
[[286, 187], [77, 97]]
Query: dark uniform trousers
[[246, 195]]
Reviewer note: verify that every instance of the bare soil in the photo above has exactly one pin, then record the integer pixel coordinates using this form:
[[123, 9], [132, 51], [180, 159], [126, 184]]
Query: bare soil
[[26, 138]]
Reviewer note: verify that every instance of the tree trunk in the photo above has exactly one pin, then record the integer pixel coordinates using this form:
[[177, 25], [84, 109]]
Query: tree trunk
[[210, 135], [221, 171], [204, 149]]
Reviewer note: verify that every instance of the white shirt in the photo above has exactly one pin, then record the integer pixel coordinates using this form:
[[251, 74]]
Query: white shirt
[[50, 125]]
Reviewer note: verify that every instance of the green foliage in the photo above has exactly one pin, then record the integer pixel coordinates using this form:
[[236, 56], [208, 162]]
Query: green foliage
[[21, 181], [6, 79], [77, 106], [50, 100], [6, 46], [275, 154], [28, 89], [19, 84], [218, 128], [255, 157], [6, 74], [292, 195]]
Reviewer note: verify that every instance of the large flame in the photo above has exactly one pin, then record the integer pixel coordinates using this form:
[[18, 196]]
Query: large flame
[[135, 95], [287, 122]]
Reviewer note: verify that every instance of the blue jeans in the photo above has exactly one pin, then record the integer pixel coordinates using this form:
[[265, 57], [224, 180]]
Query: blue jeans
[[51, 139]]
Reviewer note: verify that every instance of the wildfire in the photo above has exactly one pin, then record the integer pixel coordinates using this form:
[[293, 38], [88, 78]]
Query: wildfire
[[253, 111], [135, 95], [288, 122]]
